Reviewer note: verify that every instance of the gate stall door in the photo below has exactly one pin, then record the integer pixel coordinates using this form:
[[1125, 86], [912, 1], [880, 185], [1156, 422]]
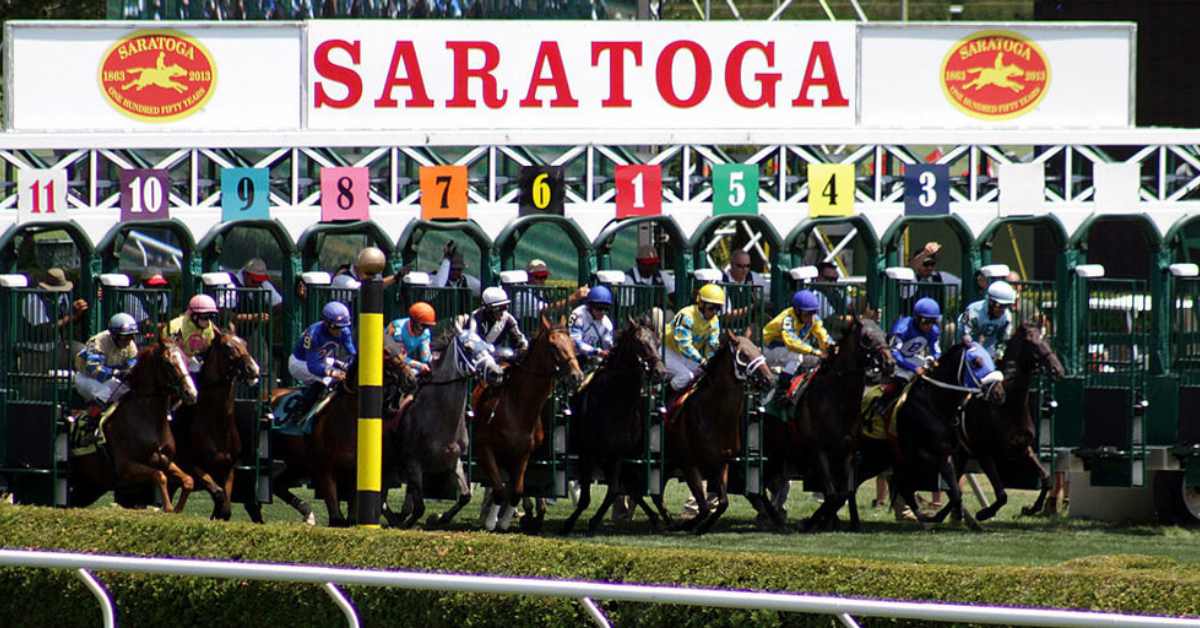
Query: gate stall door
[[545, 259], [449, 263], [622, 245], [332, 248], [150, 307], [142, 250], [746, 251], [249, 311]]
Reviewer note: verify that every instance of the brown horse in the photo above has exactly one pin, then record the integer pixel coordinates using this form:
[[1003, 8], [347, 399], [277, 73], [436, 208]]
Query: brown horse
[[705, 433], [509, 420], [206, 433], [140, 447]]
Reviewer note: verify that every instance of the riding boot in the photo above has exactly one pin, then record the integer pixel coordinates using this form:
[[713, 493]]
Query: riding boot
[[311, 395]]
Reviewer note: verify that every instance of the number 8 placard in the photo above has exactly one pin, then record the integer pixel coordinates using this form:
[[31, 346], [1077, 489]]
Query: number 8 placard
[[443, 192], [345, 194], [830, 190], [244, 194]]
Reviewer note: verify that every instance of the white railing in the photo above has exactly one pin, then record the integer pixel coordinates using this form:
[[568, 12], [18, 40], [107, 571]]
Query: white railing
[[843, 608]]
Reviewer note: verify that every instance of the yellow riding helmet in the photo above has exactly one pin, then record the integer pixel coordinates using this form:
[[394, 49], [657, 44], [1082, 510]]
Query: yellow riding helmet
[[712, 293]]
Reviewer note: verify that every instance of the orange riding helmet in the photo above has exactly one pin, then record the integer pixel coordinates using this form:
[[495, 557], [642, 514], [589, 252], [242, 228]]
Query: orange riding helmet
[[422, 312]]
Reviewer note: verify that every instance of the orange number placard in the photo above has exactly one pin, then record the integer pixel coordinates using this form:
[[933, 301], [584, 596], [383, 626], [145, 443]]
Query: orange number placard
[[443, 192]]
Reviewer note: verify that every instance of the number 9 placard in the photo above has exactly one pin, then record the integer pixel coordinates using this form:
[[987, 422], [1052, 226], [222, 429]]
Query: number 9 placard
[[541, 190], [244, 194], [735, 189], [830, 190], [926, 190], [345, 194], [443, 192]]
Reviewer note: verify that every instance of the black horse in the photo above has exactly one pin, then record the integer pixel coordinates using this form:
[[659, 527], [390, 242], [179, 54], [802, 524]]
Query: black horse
[[608, 419]]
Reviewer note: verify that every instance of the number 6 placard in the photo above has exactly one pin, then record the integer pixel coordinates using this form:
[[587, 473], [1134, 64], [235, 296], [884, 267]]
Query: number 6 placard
[[735, 189], [443, 192], [345, 194], [830, 190], [144, 195]]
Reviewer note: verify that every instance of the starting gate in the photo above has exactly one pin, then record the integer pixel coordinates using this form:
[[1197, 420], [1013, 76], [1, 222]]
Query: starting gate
[[448, 302], [900, 295], [249, 309], [637, 301], [1185, 365], [150, 307], [745, 309], [1037, 302], [36, 366]]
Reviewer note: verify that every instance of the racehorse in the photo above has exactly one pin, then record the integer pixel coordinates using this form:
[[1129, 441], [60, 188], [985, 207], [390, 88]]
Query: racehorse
[[139, 448], [430, 435], [509, 420], [993, 434], [823, 435], [206, 433], [926, 430], [608, 418], [327, 455], [705, 432]]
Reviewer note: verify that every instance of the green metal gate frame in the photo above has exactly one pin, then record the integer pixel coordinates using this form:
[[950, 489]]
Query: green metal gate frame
[[745, 309], [794, 250], [634, 301], [154, 303]]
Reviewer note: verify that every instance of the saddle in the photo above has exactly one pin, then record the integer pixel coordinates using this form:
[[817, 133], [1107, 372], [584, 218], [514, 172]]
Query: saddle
[[86, 432], [880, 423], [675, 404]]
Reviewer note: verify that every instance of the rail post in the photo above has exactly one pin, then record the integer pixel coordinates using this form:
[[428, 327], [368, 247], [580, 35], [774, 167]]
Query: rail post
[[370, 264]]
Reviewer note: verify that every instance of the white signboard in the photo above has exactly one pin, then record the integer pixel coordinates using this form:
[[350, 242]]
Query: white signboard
[[486, 75], [41, 194], [980, 76], [153, 76]]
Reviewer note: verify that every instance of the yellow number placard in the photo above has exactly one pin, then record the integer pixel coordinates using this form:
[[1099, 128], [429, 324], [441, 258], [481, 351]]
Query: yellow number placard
[[830, 190]]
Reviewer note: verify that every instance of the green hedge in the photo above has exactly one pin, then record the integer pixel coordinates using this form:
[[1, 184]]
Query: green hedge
[[56, 598]]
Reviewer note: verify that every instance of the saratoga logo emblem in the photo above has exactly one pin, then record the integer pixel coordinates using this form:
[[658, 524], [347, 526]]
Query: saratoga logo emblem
[[157, 76], [995, 75]]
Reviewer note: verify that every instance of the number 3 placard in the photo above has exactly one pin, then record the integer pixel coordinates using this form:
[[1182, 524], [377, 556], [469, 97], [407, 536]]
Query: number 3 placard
[[443, 192], [144, 195], [345, 194], [735, 189], [926, 190], [639, 190], [244, 194], [830, 190]]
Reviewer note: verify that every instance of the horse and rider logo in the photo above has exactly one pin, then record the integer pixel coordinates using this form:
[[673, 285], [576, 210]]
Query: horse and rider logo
[[995, 75], [157, 75]]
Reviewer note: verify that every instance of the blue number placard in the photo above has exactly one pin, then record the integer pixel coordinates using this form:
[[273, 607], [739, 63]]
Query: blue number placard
[[926, 190], [244, 194]]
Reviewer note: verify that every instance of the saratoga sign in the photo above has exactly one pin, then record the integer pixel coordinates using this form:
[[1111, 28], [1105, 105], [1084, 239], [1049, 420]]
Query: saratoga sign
[[456, 75]]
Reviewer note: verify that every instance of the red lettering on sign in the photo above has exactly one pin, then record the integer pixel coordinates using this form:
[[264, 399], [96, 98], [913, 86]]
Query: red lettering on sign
[[493, 97], [766, 80], [821, 53], [405, 53], [337, 73], [616, 68], [549, 55], [664, 76]]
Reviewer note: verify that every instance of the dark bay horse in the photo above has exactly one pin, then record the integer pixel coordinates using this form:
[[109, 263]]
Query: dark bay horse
[[140, 447], [206, 432], [822, 437], [927, 432], [508, 425], [1004, 434], [327, 455], [608, 419], [430, 437], [705, 433]]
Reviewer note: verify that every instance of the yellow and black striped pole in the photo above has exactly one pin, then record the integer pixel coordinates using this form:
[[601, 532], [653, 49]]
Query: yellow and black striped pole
[[370, 264]]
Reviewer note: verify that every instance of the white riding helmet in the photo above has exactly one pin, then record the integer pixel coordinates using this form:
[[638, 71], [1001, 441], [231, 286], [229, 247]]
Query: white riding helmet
[[1002, 292], [495, 297]]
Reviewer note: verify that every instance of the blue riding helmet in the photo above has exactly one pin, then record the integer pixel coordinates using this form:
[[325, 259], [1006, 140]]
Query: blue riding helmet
[[977, 366], [805, 301], [600, 295], [927, 308], [336, 314], [122, 324]]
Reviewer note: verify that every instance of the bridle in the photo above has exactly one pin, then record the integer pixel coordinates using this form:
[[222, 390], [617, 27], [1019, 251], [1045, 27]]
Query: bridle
[[747, 368]]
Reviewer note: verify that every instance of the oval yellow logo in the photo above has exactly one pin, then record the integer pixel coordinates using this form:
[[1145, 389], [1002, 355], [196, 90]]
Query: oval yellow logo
[[157, 75], [995, 75]]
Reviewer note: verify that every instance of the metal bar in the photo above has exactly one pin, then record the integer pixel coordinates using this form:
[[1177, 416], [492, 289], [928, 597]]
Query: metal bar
[[343, 604], [595, 612], [847, 621], [577, 589], [975, 488], [107, 612]]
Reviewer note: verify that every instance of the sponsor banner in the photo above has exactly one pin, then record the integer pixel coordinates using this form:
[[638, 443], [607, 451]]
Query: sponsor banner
[[554, 75], [154, 76], [979, 76]]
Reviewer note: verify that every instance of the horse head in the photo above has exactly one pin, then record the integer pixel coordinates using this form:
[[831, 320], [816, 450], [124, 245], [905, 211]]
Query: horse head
[[868, 345], [1029, 350], [557, 341], [167, 368], [748, 360], [398, 378], [637, 346], [228, 355]]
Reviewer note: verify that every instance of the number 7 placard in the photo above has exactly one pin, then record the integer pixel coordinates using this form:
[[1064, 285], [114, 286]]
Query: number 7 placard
[[830, 190], [443, 192]]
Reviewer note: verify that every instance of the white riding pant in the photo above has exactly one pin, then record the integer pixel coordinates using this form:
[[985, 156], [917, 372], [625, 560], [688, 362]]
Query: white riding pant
[[682, 370], [299, 369], [781, 358], [93, 390]]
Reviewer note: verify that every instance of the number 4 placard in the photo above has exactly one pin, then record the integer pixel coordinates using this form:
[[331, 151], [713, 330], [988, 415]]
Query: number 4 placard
[[41, 195], [830, 190], [144, 195], [443, 192], [345, 194], [735, 189], [639, 190], [926, 190]]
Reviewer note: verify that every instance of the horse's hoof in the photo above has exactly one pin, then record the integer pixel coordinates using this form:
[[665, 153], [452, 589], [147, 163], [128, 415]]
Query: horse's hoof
[[310, 520], [984, 515], [972, 524], [339, 522], [433, 522]]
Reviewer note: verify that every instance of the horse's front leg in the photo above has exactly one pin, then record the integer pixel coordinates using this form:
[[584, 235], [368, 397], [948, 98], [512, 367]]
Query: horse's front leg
[[131, 472], [825, 514], [415, 492], [499, 492], [327, 484], [722, 501], [612, 478], [464, 498], [988, 464], [517, 482], [585, 494], [1044, 476], [695, 482], [947, 471], [227, 503], [850, 493]]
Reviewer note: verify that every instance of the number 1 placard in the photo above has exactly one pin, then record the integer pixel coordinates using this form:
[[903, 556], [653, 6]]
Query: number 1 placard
[[345, 194], [735, 189], [830, 190], [244, 194], [443, 192], [639, 190], [144, 195], [41, 195], [926, 190]]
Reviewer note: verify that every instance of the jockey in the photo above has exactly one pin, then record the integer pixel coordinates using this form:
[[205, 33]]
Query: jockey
[[694, 335], [987, 321], [914, 338], [194, 329], [796, 339], [413, 333], [105, 359], [496, 325], [314, 359], [590, 327]]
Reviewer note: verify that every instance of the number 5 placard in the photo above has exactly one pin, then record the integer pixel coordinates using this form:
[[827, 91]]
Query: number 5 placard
[[345, 194], [41, 195], [926, 190], [144, 195], [443, 192], [639, 190], [830, 190], [735, 189]]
